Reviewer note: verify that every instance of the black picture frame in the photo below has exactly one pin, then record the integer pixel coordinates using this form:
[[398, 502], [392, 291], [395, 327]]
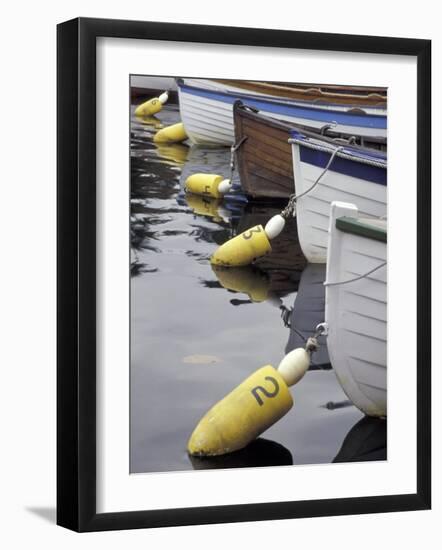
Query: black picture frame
[[77, 287]]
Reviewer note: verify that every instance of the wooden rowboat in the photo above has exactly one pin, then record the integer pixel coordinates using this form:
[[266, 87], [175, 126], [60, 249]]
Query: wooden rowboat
[[356, 308], [314, 93], [264, 159]]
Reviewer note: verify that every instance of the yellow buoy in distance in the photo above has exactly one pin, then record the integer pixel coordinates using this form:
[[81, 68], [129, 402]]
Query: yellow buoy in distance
[[250, 409], [152, 106], [249, 245], [209, 185], [171, 134]]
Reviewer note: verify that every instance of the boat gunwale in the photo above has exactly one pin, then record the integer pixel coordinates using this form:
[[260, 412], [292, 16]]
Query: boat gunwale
[[251, 113], [288, 103], [361, 228]]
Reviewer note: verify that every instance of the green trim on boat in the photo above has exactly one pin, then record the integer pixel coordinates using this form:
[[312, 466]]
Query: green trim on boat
[[365, 227]]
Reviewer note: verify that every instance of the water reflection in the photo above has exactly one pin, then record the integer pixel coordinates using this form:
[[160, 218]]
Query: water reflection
[[261, 452], [367, 440]]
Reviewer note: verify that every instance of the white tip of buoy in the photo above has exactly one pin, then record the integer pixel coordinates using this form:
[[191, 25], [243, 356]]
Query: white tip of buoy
[[294, 365], [164, 97], [224, 187], [274, 226]]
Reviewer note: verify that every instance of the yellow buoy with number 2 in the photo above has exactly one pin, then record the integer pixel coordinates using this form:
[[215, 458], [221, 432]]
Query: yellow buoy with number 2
[[250, 409]]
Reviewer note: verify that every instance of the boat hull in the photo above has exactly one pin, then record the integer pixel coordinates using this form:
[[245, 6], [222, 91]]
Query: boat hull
[[264, 160], [356, 315], [347, 180], [207, 114]]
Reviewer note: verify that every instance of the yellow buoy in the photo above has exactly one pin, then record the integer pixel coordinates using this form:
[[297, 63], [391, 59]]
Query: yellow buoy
[[152, 106], [209, 185], [249, 245], [244, 279], [171, 134], [243, 249], [242, 415], [250, 409]]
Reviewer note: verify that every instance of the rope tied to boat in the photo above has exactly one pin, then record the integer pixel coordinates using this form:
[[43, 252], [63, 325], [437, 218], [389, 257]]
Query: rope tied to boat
[[289, 210], [326, 283], [312, 343], [233, 150]]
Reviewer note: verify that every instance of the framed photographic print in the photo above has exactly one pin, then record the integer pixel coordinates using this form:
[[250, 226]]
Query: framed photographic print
[[243, 285]]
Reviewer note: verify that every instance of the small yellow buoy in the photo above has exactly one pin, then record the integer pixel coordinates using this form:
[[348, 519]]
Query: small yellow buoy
[[244, 279], [171, 134], [209, 185], [249, 245], [152, 106], [250, 409]]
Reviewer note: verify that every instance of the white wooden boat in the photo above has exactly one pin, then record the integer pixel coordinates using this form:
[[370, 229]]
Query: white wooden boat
[[206, 109], [356, 311], [356, 175]]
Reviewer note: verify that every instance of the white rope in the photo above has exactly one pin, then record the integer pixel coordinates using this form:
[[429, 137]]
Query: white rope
[[326, 283], [233, 150], [289, 209]]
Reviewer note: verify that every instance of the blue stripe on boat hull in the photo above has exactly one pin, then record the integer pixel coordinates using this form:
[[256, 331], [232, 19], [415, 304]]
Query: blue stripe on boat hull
[[277, 108], [346, 167]]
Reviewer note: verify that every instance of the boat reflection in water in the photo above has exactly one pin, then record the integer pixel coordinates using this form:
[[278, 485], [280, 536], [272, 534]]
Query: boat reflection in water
[[308, 312], [261, 452], [367, 440]]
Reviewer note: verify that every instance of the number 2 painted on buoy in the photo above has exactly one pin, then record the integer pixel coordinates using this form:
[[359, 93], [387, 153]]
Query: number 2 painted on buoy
[[248, 234], [265, 392]]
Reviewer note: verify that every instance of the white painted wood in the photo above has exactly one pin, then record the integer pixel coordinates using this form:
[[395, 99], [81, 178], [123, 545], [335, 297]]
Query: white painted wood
[[356, 314], [312, 210]]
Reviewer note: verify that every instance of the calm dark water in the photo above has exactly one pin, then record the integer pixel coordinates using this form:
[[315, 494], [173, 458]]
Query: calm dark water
[[197, 333]]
